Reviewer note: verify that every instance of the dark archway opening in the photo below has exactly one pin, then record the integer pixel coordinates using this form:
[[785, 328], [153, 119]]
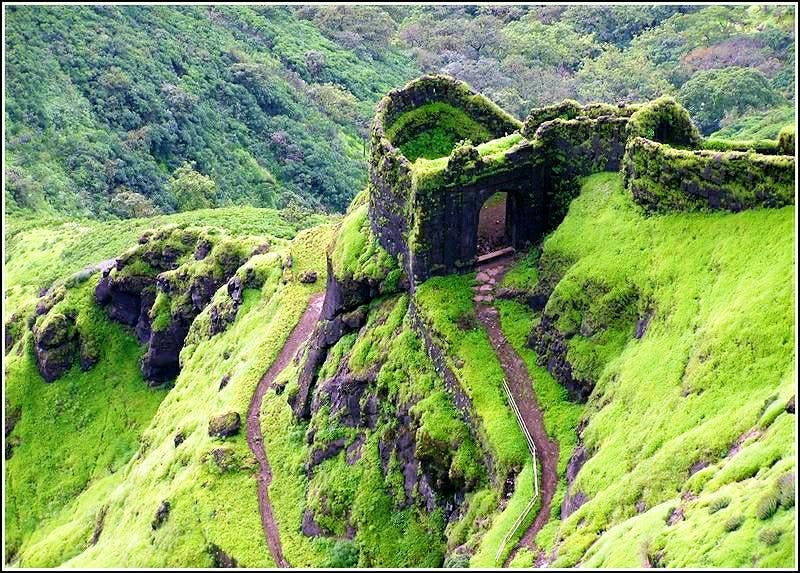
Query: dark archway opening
[[493, 228]]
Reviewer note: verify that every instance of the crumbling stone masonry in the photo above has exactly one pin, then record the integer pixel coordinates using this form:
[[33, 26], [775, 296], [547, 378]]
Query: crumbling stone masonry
[[426, 212]]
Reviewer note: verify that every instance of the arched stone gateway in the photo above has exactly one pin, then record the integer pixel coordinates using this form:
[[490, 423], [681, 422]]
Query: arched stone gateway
[[494, 231], [440, 150]]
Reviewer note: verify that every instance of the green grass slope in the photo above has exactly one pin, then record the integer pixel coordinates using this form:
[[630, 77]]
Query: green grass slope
[[42, 251], [361, 494], [77, 431], [715, 368], [95, 451]]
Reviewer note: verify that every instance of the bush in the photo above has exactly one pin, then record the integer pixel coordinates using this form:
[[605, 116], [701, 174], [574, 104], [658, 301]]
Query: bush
[[343, 555], [768, 504], [769, 535], [719, 503], [709, 94], [734, 523], [786, 140], [786, 491]]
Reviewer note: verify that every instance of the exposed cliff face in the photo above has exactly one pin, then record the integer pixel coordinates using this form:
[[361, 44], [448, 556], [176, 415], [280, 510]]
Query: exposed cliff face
[[359, 271], [160, 287], [359, 418]]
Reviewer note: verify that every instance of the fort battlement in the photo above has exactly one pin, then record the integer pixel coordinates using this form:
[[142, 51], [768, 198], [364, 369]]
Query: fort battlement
[[439, 150]]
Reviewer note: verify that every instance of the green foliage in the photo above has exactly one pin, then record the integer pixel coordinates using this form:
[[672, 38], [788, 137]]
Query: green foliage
[[768, 504], [621, 76], [755, 125], [786, 140], [190, 189], [786, 489], [734, 522], [430, 175], [103, 99], [709, 94], [769, 535], [719, 503], [273, 103]]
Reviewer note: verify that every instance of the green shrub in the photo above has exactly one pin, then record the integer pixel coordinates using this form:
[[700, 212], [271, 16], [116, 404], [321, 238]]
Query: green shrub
[[786, 490], [768, 504], [343, 555], [735, 522], [769, 535], [719, 503]]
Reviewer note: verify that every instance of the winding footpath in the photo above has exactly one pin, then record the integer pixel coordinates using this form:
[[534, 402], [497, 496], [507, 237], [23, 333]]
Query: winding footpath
[[255, 439], [519, 384]]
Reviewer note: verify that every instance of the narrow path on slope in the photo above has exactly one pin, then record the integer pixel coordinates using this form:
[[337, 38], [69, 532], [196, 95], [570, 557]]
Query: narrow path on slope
[[255, 439], [519, 383]]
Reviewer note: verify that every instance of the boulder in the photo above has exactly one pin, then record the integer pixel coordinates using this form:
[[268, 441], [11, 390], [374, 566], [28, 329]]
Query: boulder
[[225, 458], [224, 425], [55, 345], [161, 515], [308, 277]]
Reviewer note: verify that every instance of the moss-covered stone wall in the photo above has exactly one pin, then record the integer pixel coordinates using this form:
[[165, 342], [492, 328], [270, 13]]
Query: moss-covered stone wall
[[425, 212], [568, 149], [662, 178]]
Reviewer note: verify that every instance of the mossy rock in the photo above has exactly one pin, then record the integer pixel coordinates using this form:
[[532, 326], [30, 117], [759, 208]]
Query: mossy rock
[[224, 425]]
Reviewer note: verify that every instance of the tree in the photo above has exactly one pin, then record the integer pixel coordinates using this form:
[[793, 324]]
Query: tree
[[128, 204], [190, 189], [620, 76], [710, 94]]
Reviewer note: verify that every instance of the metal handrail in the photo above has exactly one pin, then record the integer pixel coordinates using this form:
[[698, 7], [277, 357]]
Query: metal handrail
[[532, 448]]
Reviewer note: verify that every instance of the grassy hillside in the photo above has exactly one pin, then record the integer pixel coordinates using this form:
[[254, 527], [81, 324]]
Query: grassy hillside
[[42, 251], [688, 431], [688, 435], [89, 450]]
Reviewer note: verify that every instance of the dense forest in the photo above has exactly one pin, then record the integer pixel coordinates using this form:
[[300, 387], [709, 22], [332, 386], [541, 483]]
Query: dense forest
[[126, 111]]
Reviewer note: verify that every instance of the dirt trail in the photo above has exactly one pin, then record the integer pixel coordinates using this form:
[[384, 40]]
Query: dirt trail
[[255, 439], [519, 382]]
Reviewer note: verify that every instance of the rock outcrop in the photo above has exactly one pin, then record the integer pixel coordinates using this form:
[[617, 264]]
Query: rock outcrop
[[159, 287], [551, 347], [56, 345]]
